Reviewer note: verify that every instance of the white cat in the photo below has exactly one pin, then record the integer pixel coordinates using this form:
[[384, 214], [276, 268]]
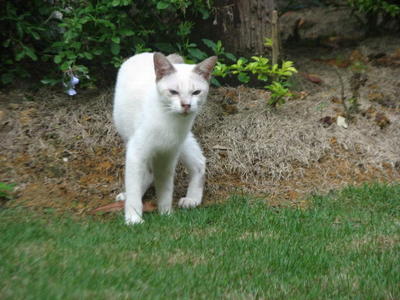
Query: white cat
[[156, 101]]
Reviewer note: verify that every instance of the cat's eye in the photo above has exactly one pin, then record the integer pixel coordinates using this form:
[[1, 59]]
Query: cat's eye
[[196, 92], [173, 92]]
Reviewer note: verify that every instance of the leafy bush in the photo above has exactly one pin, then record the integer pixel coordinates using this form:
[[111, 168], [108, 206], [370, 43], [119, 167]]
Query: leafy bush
[[80, 41], [261, 68], [376, 6], [64, 38], [377, 12]]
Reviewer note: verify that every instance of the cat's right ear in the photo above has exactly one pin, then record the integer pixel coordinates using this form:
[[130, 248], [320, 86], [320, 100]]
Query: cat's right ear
[[162, 66]]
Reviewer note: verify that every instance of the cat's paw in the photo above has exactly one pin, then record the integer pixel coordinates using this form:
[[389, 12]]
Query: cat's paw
[[133, 219], [188, 202], [120, 197], [165, 210]]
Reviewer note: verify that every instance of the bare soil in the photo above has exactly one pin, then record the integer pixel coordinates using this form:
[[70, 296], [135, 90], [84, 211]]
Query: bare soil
[[63, 153]]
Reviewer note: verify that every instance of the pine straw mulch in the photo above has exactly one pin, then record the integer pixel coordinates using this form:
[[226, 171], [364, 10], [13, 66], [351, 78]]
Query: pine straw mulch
[[64, 153]]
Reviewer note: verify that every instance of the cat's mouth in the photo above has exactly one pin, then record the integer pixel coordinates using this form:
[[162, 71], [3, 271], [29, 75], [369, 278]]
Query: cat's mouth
[[186, 111]]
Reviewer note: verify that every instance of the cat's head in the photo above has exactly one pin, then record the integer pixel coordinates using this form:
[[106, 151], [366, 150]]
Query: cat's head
[[183, 88]]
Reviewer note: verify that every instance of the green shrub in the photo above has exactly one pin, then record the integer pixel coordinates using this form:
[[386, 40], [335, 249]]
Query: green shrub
[[377, 12], [261, 68], [57, 40], [376, 6]]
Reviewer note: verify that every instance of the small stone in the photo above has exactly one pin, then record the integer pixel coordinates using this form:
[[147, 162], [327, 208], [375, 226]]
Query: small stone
[[341, 122]]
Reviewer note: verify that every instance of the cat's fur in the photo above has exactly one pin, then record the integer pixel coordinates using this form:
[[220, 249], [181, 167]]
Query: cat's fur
[[156, 101]]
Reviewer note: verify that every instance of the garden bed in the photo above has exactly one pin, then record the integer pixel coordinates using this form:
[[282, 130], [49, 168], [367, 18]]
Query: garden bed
[[64, 153]]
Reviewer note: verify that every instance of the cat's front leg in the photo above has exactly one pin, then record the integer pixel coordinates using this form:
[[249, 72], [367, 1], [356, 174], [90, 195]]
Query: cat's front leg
[[195, 162], [164, 169], [134, 169]]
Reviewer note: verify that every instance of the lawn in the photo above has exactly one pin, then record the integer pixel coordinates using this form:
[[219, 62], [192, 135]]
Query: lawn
[[343, 245]]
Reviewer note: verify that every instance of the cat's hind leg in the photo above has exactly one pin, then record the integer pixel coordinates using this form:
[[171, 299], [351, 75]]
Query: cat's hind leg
[[195, 162], [135, 169]]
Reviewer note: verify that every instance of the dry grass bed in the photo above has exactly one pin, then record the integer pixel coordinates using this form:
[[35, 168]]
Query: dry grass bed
[[64, 153]]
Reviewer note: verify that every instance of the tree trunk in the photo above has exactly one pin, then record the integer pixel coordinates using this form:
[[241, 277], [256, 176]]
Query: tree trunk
[[243, 25]]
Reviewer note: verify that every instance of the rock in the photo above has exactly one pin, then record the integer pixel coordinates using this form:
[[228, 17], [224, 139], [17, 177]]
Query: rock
[[341, 122], [333, 25]]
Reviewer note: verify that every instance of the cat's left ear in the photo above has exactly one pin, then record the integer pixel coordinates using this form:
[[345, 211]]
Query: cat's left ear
[[205, 67], [162, 66]]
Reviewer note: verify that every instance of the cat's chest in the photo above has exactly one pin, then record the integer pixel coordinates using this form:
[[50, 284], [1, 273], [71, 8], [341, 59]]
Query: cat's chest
[[160, 139]]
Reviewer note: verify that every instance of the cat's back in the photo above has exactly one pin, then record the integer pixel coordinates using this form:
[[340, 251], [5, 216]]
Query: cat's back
[[135, 86], [136, 71]]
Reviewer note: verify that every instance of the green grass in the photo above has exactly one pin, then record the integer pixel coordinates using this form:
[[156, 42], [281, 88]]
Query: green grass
[[345, 245]]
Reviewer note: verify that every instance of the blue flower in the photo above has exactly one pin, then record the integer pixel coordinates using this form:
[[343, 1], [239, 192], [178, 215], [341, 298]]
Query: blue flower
[[74, 80], [71, 92]]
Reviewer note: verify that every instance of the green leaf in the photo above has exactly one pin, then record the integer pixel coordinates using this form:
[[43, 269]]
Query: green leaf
[[205, 14], [162, 5], [70, 55], [243, 77], [115, 2], [49, 81], [197, 53], [215, 82], [98, 52], [65, 66], [210, 44], [126, 32], [76, 45], [20, 55], [57, 59], [230, 56], [116, 39], [115, 48], [87, 55], [35, 35]]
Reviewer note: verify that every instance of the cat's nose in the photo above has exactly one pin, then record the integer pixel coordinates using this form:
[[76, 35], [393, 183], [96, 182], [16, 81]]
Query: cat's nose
[[186, 107]]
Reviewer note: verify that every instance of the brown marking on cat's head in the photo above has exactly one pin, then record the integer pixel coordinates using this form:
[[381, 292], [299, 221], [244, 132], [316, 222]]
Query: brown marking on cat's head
[[162, 66], [205, 67]]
